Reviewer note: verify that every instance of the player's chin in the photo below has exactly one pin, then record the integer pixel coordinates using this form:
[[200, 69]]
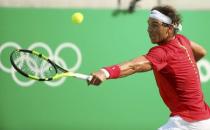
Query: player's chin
[[154, 40]]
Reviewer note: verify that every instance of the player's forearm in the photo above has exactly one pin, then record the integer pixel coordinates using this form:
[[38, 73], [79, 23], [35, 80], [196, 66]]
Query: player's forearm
[[127, 69], [140, 64], [132, 67]]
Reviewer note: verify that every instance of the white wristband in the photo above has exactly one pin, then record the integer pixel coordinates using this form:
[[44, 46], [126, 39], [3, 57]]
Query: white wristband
[[106, 73]]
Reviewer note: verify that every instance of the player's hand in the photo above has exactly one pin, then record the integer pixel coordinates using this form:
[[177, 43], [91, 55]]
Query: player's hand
[[98, 78]]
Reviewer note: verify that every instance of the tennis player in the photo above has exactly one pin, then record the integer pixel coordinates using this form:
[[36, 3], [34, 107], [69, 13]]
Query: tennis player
[[173, 61]]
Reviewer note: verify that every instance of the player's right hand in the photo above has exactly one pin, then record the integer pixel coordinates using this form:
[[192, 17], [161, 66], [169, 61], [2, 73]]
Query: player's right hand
[[98, 78]]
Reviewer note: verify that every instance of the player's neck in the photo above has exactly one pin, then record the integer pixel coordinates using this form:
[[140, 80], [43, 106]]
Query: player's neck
[[167, 40]]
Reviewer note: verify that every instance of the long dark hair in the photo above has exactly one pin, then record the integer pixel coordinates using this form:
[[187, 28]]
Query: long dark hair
[[170, 12]]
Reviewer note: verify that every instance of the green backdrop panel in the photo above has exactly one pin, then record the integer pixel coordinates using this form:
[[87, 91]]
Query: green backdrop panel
[[130, 103]]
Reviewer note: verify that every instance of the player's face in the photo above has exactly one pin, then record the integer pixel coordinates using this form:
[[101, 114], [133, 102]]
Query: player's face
[[157, 32]]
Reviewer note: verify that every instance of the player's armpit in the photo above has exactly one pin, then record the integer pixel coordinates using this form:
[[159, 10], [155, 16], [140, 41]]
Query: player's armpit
[[198, 51]]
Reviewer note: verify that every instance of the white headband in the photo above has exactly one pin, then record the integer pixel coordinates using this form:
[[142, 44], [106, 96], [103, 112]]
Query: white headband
[[163, 18], [160, 16]]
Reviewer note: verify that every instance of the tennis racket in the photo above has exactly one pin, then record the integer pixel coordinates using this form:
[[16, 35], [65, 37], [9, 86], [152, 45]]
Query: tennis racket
[[37, 66]]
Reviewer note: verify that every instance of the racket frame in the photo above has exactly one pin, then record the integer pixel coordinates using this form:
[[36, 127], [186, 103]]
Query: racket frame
[[65, 73]]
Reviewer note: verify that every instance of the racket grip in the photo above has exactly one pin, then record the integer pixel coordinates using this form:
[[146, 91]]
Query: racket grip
[[83, 76]]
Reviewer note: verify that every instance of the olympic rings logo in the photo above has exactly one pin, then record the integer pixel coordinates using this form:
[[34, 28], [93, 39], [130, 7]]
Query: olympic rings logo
[[55, 56]]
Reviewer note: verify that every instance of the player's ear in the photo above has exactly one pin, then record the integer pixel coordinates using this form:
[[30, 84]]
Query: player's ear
[[170, 29]]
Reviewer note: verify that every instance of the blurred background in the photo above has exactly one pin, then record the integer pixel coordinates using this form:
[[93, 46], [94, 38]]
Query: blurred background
[[113, 31]]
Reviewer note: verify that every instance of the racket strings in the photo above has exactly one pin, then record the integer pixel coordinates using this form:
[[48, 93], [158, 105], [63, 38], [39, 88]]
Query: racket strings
[[33, 65]]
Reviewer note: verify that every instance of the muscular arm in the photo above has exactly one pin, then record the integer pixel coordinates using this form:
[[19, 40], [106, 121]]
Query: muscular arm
[[198, 51], [140, 64]]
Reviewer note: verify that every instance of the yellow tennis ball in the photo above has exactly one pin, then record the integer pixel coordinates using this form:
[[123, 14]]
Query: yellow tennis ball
[[77, 18]]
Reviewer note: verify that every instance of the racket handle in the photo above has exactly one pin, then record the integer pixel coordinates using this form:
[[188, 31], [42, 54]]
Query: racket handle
[[83, 76]]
